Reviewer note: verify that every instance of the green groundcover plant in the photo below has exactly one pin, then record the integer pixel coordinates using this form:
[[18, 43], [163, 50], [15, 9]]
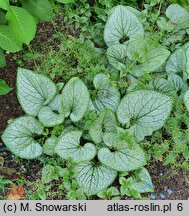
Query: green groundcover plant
[[103, 128]]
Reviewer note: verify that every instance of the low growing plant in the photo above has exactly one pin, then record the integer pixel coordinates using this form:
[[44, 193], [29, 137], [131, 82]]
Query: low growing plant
[[100, 129]]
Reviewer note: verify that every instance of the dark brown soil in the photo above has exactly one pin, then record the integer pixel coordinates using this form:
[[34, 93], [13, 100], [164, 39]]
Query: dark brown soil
[[10, 108]]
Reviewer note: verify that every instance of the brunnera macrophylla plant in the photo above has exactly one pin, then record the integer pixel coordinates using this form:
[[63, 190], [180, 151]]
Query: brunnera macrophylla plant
[[101, 148]]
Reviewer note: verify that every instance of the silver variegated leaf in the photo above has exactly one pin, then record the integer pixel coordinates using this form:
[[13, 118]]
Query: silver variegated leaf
[[148, 55], [123, 157], [69, 146], [49, 118], [106, 122], [34, 91], [19, 137], [144, 112], [106, 96], [141, 181], [49, 146], [117, 56], [94, 178], [121, 24], [75, 99], [178, 16]]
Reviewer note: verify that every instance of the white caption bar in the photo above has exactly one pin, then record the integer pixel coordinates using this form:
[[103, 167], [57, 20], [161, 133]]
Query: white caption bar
[[94, 207]]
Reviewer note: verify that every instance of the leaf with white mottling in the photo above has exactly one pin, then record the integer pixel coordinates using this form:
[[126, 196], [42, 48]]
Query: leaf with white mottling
[[117, 56], [176, 62], [106, 96], [141, 181], [144, 111], [123, 158], [163, 86], [106, 122], [148, 55], [177, 82], [122, 24], [178, 16], [57, 103], [94, 178], [19, 137], [49, 118], [75, 99], [49, 146], [34, 91], [69, 146]]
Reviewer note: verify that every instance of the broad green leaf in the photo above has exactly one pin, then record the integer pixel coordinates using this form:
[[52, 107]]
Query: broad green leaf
[[177, 82], [19, 137], [69, 146], [75, 99], [49, 118], [144, 112], [21, 23], [106, 96], [4, 4], [120, 156], [2, 59], [94, 178], [186, 100], [122, 24], [2, 18], [8, 41], [41, 9], [141, 181], [147, 55], [117, 56], [178, 16], [49, 146], [4, 88], [176, 62], [34, 91], [163, 86], [66, 1], [106, 122]]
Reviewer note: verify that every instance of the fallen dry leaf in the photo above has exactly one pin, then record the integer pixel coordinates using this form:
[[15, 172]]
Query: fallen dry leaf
[[15, 192], [10, 173]]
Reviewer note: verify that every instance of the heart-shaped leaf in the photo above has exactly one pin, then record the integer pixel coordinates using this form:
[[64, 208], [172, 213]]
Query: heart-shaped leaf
[[121, 156], [141, 181], [176, 62], [144, 111], [19, 137], [94, 178], [121, 25], [69, 146], [49, 146], [106, 96], [106, 122], [57, 103], [178, 16], [75, 99], [177, 82], [117, 56], [34, 91], [149, 55], [50, 118], [163, 86]]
